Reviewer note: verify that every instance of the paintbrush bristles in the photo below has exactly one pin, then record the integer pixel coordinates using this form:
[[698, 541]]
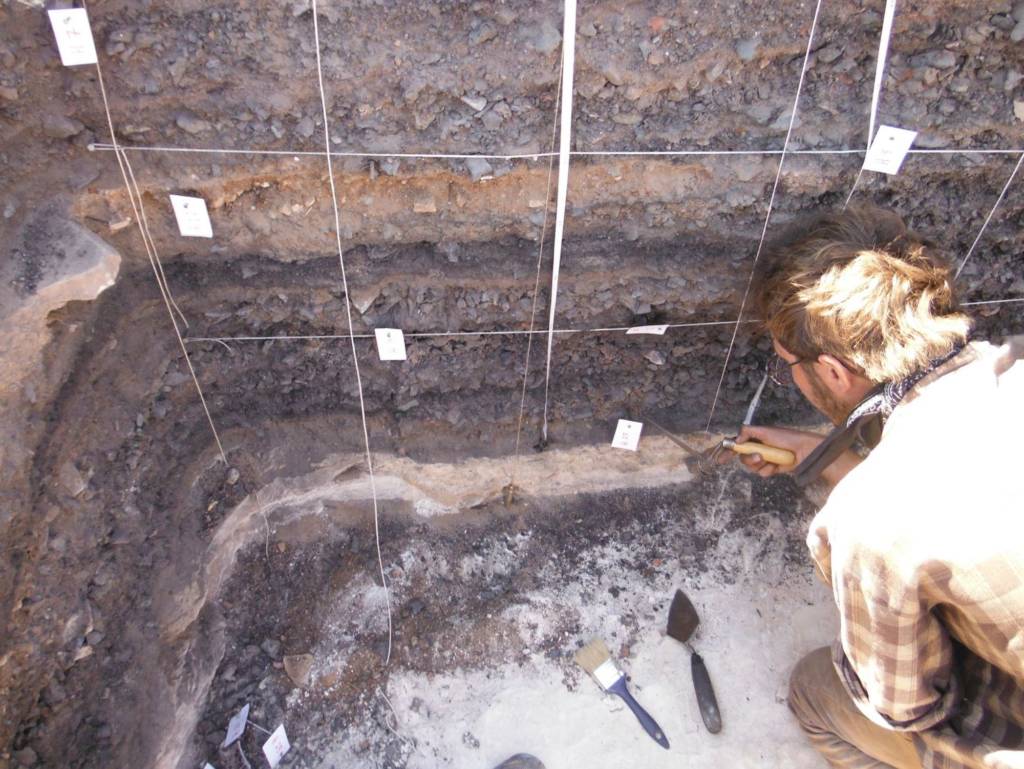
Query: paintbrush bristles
[[593, 655]]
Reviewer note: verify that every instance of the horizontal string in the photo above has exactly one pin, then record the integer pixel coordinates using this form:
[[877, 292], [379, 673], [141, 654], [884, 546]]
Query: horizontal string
[[103, 147], [514, 332], [500, 332]]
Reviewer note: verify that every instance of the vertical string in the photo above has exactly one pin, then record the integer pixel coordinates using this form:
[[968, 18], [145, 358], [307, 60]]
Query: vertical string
[[536, 292], [565, 140], [883, 53], [768, 216], [988, 218], [122, 161], [351, 333]]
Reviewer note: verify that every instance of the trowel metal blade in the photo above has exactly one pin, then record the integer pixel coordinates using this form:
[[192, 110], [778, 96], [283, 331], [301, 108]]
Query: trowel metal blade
[[682, 618], [755, 401], [693, 452]]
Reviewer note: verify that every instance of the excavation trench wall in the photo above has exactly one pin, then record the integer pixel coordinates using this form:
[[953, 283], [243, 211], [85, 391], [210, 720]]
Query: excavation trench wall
[[120, 525]]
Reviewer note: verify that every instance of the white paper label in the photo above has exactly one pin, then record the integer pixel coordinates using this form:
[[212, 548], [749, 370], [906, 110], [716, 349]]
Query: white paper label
[[275, 748], [236, 726], [208, 765], [390, 343], [659, 330], [889, 149], [193, 219], [627, 435], [74, 36]]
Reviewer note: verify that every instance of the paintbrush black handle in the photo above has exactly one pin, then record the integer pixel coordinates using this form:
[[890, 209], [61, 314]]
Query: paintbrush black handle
[[706, 701], [648, 723]]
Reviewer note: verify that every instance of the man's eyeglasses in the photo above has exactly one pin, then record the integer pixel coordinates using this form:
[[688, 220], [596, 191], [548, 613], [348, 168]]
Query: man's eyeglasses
[[781, 371]]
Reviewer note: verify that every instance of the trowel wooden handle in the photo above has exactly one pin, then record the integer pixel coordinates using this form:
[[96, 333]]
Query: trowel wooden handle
[[780, 457]]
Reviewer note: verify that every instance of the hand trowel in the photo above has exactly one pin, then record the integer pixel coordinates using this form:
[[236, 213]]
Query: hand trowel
[[682, 622]]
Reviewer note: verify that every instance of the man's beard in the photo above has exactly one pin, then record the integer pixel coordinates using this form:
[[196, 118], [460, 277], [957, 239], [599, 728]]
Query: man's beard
[[825, 401]]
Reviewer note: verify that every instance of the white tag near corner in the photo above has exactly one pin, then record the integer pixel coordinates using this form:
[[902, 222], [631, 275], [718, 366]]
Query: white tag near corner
[[627, 435], [193, 218], [659, 330], [275, 747], [390, 343], [888, 150], [74, 36], [236, 726], [208, 765]]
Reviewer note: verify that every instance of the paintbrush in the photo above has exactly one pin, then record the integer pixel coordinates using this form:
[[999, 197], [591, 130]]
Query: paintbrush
[[597, 660]]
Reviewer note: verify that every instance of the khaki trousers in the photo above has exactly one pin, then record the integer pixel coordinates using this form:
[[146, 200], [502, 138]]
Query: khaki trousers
[[845, 738]]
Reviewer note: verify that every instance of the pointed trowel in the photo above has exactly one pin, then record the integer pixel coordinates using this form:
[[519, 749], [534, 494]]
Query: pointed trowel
[[682, 622]]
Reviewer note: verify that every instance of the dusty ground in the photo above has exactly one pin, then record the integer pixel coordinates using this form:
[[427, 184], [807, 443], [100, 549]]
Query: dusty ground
[[489, 608]]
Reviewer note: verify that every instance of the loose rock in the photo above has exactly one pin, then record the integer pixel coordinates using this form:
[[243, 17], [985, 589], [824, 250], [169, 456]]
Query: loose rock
[[191, 124], [298, 667], [478, 168], [61, 127]]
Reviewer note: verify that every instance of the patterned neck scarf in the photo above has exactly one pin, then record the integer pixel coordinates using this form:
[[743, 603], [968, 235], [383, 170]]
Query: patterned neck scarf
[[866, 420]]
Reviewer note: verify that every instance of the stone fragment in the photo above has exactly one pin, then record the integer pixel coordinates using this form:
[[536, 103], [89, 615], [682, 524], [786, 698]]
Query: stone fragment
[[117, 225], [233, 476], [8, 94], [71, 480], [747, 49], [547, 38], [478, 168], [305, 127], [505, 16], [390, 166], [1018, 109], [657, 357], [492, 120], [940, 59], [26, 757], [298, 667], [761, 112], [476, 102], [424, 204], [482, 34], [1017, 33], [271, 647], [829, 53], [192, 124], [61, 127], [613, 74], [1001, 21]]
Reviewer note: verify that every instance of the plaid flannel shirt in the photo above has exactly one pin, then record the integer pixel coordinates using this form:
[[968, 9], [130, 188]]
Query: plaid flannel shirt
[[923, 545]]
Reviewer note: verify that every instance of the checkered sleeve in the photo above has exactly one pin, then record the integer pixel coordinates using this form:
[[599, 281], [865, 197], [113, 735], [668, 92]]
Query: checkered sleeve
[[893, 655]]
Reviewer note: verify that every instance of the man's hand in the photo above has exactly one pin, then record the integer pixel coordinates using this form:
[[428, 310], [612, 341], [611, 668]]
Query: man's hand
[[800, 442]]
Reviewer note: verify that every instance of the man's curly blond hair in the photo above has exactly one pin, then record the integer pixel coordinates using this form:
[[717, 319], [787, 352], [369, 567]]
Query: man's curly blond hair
[[862, 287]]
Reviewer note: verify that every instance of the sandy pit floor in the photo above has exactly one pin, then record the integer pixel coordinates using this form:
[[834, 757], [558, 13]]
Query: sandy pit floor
[[489, 607]]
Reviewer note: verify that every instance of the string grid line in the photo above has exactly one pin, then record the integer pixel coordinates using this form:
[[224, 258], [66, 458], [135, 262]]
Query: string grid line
[[536, 294], [151, 254], [348, 314], [876, 92], [988, 218], [564, 143], [768, 215], [102, 147]]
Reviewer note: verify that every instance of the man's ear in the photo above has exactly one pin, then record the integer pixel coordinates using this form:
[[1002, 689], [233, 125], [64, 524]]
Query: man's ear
[[838, 376]]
